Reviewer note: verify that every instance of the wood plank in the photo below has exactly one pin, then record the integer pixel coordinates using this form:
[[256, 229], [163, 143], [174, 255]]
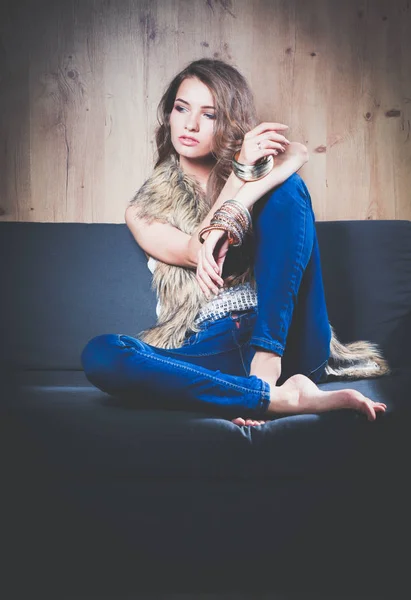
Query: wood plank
[[81, 81]]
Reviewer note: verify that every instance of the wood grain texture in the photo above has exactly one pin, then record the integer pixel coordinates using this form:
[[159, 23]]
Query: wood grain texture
[[80, 82]]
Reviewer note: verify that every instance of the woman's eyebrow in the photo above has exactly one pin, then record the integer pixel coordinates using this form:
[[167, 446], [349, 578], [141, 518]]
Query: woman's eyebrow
[[181, 100]]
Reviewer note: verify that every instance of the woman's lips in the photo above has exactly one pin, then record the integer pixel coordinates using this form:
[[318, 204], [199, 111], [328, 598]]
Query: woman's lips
[[188, 141]]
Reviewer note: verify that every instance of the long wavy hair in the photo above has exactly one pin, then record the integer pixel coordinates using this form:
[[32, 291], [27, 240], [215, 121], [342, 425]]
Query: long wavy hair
[[235, 116]]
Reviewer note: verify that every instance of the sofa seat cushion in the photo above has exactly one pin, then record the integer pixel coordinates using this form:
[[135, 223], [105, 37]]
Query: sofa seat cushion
[[78, 428]]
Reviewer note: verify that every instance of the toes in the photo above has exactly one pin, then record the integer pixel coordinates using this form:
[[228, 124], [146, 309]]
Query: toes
[[366, 405], [249, 422], [370, 409], [376, 407]]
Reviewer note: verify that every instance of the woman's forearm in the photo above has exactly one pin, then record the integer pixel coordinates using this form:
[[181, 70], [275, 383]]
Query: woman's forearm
[[231, 188], [248, 193]]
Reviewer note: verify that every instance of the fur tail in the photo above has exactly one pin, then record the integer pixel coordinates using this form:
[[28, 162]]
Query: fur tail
[[356, 360]]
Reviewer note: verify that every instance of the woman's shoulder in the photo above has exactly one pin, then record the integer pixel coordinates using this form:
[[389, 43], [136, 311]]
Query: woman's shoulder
[[154, 198], [158, 174]]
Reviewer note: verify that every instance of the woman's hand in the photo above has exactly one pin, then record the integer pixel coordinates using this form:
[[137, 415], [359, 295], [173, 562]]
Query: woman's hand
[[210, 261], [262, 141], [285, 164]]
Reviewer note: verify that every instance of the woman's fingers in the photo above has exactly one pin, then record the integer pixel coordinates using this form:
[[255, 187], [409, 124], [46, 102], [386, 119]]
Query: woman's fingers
[[208, 270], [267, 127], [276, 138], [202, 285], [206, 274], [271, 141], [268, 147], [210, 263], [202, 278], [222, 253], [262, 141], [210, 276], [220, 264]]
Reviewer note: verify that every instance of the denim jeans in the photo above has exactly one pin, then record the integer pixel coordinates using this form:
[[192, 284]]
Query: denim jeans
[[211, 371]]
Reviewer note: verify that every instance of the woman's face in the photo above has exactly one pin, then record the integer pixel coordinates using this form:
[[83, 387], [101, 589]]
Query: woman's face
[[193, 116]]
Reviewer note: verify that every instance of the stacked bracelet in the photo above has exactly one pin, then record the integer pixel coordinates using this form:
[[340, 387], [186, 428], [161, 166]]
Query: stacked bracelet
[[253, 172], [232, 217]]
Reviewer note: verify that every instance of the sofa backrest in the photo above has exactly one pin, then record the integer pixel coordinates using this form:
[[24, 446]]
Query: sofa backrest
[[65, 283]]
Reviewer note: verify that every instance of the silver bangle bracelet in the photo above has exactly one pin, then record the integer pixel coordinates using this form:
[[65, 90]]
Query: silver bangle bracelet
[[253, 172]]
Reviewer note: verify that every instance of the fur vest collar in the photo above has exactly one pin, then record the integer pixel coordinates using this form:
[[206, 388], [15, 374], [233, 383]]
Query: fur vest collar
[[171, 196]]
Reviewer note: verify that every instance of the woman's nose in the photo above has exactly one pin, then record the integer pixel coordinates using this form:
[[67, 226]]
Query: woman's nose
[[192, 123]]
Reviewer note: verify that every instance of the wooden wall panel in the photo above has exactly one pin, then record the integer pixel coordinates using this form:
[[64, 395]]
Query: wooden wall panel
[[80, 82]]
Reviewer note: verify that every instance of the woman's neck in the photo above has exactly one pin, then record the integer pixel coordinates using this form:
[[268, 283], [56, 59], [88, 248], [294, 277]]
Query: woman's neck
[[199, 168]]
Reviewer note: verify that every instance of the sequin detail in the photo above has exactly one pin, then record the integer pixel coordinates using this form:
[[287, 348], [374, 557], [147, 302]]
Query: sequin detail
[[237, 298]]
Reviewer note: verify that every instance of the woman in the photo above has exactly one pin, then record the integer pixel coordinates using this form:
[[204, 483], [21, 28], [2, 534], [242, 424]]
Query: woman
[[242, 325]]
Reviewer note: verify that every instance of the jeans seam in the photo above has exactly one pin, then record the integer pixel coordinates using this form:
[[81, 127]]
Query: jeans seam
[[193, 370], [264, 399], [177, 356], [297, 262], [285, 309], [268, 342], [239, 346]]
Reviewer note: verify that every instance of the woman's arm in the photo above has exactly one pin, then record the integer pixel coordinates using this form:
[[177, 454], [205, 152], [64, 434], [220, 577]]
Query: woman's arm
[[211, 255], [172, 246], [168, 243], [249, 193]]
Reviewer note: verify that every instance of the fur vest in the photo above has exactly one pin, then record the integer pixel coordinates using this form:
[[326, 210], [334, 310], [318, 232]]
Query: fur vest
[[171, 196]]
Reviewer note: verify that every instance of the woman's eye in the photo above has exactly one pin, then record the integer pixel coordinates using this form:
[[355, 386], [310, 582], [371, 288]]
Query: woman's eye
[[181, 109]]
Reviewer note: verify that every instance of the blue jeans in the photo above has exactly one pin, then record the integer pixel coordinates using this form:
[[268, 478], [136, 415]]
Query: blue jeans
[[210, 372]]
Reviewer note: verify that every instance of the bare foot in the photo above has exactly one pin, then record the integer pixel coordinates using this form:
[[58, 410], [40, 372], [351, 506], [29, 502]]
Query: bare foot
[[301, 395]]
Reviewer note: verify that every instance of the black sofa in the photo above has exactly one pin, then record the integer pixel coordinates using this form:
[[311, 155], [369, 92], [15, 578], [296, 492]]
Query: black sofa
[[112, 497]]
